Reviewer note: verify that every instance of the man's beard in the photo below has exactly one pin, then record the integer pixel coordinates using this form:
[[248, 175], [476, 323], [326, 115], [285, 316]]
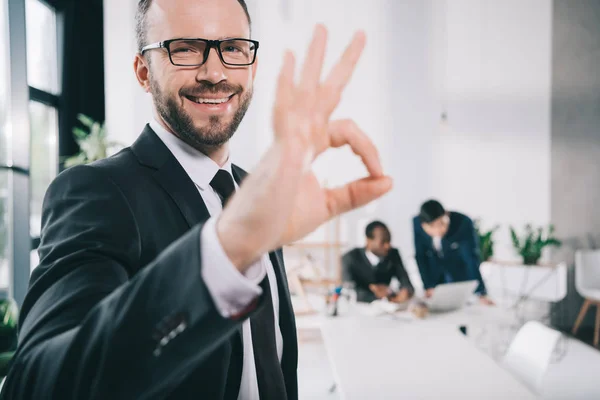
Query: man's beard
[[217, 133]]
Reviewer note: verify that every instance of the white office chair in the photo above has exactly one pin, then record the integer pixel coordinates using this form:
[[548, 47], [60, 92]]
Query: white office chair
[[587, 283], [529, 353]]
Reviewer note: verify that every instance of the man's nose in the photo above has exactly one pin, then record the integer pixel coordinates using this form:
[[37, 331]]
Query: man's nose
[[213, 69]]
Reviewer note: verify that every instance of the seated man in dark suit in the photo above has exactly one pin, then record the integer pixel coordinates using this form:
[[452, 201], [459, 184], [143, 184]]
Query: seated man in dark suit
[[446, 248], [372, 268]]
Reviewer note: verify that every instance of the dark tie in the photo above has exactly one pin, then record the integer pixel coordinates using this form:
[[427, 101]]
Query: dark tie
[[223, 185], [271, 384]]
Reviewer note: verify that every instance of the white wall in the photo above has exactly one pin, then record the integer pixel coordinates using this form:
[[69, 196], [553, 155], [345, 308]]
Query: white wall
[[128, 108], [486, 62], [492, 157]]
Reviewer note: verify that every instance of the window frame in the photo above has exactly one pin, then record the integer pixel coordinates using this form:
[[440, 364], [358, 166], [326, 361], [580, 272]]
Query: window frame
[[18, 162], [46, 98], [18, 165]]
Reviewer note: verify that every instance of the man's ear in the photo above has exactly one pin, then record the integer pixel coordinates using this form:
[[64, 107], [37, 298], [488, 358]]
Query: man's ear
[[142, 72]]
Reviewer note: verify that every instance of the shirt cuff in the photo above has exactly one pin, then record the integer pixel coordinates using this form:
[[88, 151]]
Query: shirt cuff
[[231, 291]]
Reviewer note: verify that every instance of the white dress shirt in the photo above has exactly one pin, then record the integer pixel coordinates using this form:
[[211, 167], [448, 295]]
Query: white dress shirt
[[394, 285], [373, 259], [437, 244], [231, 291]]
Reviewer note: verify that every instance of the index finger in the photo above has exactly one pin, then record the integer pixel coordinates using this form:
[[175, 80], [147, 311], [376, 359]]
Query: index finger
[[347, 132]]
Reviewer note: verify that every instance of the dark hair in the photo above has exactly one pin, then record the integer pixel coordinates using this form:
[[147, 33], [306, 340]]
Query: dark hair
[[374, 225], [141, 20], [430, 211]]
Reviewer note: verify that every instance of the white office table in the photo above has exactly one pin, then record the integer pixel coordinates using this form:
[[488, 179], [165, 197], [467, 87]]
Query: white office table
[[383, 358]]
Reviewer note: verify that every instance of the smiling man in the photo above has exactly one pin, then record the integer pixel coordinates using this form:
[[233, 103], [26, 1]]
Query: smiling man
[[161, 274], [201, 87]]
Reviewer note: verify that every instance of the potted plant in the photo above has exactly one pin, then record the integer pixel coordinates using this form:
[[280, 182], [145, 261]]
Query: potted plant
[[93, 143], [531, 244], [486, 240]]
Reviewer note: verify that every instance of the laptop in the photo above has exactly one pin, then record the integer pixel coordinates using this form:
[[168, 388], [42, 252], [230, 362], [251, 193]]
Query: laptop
[[451, 296]]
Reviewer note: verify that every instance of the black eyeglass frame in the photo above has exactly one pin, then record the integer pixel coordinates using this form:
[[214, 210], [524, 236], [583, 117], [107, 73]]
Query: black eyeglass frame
[[216, 44]]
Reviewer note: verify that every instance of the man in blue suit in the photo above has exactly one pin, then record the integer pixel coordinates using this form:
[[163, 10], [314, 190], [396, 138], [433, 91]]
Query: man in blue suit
[[446, 248]]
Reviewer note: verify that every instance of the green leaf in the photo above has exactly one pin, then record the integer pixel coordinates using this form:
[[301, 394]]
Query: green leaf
[[79, 133], [515, 239], [540, 234], [85, 120]]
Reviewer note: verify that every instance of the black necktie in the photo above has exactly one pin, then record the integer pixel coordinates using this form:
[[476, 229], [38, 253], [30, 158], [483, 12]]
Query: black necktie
[[271, 384], [223, 185]]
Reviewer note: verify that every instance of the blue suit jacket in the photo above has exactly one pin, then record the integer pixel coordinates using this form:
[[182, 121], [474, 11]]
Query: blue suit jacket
[[461, 255]]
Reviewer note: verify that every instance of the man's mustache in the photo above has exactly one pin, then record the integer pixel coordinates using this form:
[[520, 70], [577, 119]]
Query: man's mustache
[[207, 87]]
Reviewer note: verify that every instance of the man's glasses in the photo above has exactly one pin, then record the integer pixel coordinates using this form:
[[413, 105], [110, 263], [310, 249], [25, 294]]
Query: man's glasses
[[194, 52]]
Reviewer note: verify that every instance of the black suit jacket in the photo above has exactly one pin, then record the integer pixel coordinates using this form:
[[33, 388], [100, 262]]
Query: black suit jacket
[[358, 269], [117, 308]]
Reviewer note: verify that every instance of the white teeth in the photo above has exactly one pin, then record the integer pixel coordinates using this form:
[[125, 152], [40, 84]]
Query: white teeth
[[210, 101]]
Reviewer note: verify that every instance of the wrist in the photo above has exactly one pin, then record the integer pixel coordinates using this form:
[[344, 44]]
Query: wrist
[[238, 250]]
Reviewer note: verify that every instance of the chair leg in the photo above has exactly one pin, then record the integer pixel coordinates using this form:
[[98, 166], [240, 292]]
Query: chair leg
[[584, 310], [597, 328]]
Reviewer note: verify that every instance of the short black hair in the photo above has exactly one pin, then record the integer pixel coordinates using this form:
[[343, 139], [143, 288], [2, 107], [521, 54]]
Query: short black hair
[[374, 225], [141, 20], [430, 211]]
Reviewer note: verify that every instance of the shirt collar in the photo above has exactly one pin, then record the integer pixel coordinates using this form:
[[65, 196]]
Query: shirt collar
[[200, 168], [372, 257]]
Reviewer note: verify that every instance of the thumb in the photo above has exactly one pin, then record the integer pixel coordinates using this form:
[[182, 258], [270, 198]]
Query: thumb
[[356, 194]]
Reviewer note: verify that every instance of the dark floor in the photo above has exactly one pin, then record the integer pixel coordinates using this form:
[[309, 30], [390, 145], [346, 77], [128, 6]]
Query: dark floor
[[586, 335]]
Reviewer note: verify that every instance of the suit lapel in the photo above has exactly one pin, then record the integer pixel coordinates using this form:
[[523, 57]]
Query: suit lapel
[[183, 191], [169, 174]]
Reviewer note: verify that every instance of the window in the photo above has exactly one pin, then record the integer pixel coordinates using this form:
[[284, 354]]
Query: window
[[36, 46], [44, 158], [4, 148], [43, 79], [4, 80], [42, 64], [4, 228]]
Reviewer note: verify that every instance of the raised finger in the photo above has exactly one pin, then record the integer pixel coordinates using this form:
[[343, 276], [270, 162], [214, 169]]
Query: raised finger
[[285, 83], [341, 73], [313, 64]]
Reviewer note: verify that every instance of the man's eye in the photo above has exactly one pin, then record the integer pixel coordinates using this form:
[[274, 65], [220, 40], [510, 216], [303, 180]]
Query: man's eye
[[231, 49]]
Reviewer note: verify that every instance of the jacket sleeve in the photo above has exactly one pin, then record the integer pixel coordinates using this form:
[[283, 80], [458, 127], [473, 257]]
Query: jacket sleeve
[[347, 273], [94, 325], [421, 257], [401, 273], [474, 255]]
